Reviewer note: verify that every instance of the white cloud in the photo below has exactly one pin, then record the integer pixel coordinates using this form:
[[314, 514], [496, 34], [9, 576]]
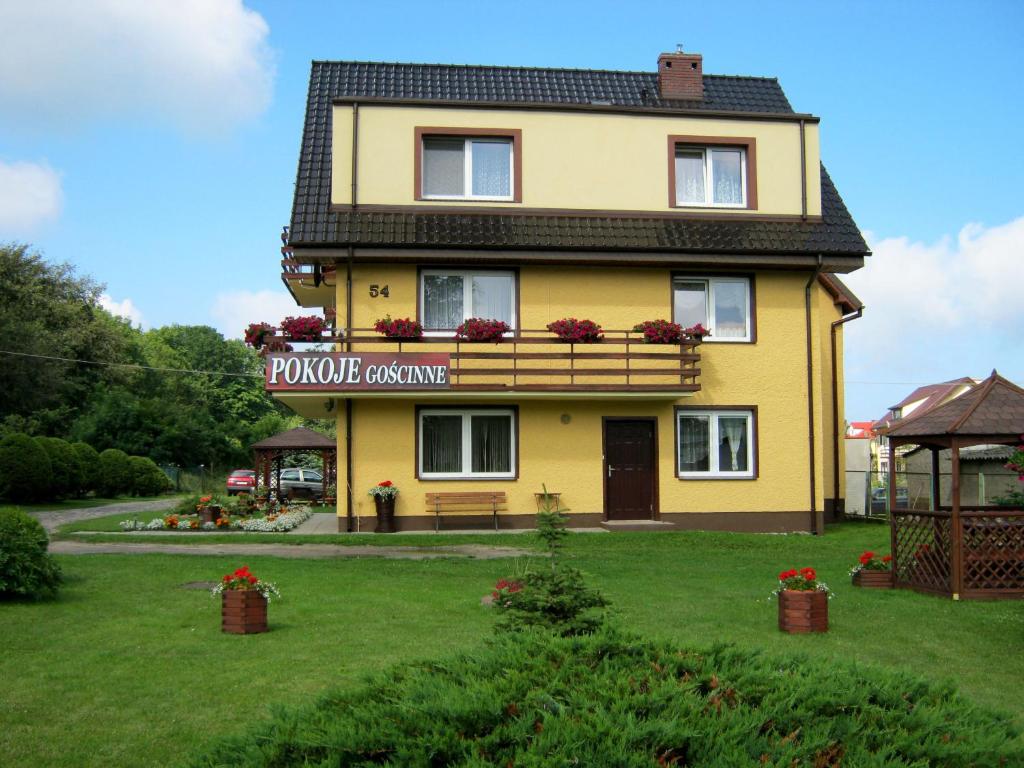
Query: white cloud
[[202, 64], [30, 194], [125, 309], [232, 311], [925, 300]]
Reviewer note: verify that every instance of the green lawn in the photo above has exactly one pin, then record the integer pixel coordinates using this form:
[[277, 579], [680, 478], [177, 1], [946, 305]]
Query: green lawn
[[128, 668]]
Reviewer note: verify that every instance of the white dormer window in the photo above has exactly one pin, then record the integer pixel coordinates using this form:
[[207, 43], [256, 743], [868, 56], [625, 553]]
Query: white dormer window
[[468, 168], [711, 176]]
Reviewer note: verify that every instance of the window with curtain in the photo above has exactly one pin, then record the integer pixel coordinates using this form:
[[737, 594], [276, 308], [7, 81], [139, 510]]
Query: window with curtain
[[711, 176], [720, 304], [466, 443], [715, 443], [456, 168], [447, 297]]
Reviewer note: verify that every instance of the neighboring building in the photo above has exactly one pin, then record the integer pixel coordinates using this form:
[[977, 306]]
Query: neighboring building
[[443, 193], [918, 402], [983, 476]]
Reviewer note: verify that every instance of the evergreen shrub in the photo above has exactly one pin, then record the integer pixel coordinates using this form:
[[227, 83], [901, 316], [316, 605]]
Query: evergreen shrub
[[26, 568], [25, 471], [89, 460], [65, 465], [115, 473], [147, 478], [609, 699]]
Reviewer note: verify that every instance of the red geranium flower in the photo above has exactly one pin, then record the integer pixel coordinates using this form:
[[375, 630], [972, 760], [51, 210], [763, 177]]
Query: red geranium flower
[[809, 573], [385, 483], [887, 559]]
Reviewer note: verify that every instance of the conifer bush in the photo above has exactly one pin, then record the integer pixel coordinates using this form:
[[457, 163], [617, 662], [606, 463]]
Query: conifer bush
[[147, 479], [115, 473], [65, 465], [610, 699], [25, 471], [26, 568], [89, 461]]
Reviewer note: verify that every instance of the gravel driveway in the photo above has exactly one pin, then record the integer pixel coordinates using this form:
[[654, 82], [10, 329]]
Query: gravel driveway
[[53, 519]]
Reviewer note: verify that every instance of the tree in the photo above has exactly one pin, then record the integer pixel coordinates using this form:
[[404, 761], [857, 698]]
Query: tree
[[147, 478], [115, 475], [89, 461], [25, 470], [66, 467]]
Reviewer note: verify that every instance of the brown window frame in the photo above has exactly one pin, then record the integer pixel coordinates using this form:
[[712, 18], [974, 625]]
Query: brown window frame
[[515, 134], [754, 449], [516, 442], [749, 143]]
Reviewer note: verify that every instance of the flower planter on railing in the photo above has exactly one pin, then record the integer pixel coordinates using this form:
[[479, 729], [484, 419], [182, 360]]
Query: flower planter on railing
[[659, 332], [402, 329], [576, 331], [480, 329], [308, 328]]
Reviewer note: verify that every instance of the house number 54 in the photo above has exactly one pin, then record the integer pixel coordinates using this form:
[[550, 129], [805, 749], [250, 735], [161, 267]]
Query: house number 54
[[378, 290]]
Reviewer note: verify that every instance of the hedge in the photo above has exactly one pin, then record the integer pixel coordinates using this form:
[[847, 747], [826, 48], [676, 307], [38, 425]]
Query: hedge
[[26, 568], [115, 473], [25, 470], [536, 699], [66, 466], [90, 462], [147, 478]]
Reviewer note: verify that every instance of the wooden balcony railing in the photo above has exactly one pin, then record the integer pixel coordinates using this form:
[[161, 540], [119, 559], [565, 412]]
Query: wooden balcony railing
[[537, 361]]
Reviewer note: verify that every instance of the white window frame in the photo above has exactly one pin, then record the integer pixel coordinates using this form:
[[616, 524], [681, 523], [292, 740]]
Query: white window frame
[[713, 437], [467, 443], [709, 193], [467, 295], [467, 168], [709, 305]]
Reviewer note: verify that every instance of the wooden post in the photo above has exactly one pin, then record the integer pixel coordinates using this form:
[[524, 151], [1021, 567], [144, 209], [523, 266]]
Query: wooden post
[[956, 527], [936, 484], [892, 519]]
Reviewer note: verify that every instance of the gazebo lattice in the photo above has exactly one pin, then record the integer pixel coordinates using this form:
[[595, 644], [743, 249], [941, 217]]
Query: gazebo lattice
[[960, 551], [271, 452]]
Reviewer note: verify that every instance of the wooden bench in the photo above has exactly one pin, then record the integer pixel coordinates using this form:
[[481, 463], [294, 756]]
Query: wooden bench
[[472, 502]]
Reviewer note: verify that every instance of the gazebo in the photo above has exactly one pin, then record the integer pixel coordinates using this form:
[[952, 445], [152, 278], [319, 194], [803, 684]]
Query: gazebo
[[960, 551], [271, 452]]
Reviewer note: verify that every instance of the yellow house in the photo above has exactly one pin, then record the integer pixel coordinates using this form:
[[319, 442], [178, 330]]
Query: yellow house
[[527, 196]]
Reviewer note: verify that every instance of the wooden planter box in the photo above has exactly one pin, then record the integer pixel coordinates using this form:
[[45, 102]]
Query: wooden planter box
[[873, 579], [243, 611], [803, 611]]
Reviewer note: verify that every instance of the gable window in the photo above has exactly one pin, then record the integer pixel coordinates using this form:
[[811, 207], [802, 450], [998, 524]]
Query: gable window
[[468, 164], [720, 304], [466, 443], [711, 172], [450, 296], [715, 443]]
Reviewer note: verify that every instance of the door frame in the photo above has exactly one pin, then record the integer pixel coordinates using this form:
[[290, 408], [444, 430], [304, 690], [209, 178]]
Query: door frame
[[656, 497]]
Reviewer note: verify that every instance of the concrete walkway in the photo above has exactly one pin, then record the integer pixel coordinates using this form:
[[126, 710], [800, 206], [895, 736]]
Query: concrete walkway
[[54, 519], [297, 551]]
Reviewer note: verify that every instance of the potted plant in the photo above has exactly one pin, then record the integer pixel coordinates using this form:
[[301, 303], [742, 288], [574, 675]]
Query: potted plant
[[873, 572], [576, 331], [659, 332], [384, 494], [402, 329], [244, 601], [209, 509], [256, 334], [306, 328], [803, 601], [697, 332], [275, 345], [481, 329]]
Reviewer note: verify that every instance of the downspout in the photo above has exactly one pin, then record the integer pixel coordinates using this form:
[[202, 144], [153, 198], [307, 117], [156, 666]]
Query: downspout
[[349, 500], [810, 397], [803, 173], [835, 402]]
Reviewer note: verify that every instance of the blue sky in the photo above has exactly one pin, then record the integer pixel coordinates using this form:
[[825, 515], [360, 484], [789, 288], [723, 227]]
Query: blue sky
[[154, 144]]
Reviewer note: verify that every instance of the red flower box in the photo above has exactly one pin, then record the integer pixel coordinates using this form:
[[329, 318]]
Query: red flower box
[[308, 328], [481, 329], [243, 612], [576, 331], [803, 611], [403, 328], [660, 332]]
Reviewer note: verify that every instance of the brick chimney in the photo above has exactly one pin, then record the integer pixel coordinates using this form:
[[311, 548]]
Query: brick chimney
[[681, 75]]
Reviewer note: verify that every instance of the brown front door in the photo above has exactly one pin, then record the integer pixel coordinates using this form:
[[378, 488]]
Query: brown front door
[[630, 478]]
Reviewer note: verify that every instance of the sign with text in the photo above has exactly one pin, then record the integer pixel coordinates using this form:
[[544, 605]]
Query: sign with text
[[341, 371]]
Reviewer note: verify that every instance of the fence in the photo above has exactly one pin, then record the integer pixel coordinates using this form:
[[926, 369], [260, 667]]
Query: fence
[[867, 493]]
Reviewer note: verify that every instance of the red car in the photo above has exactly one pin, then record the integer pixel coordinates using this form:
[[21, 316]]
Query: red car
[[242, 481]]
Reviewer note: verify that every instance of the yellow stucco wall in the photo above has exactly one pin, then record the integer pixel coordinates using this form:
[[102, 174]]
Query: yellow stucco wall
[[769, 374], [570, 159]]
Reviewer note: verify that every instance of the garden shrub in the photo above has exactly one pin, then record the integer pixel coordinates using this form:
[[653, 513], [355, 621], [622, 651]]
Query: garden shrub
[[609, 699], [25, 471], [66, 467], [147, 478], [89, 460], [115, 473], [26, 568], [552, 596]]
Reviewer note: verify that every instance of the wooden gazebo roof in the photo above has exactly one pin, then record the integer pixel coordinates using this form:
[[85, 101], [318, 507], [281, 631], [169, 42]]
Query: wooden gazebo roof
[[298, 439], [992, 412]]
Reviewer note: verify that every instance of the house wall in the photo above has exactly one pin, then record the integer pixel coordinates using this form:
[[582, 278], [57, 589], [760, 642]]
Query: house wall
[[770, 374], [578, 160]]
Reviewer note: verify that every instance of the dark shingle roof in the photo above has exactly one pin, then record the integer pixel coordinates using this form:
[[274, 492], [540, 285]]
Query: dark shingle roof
[[314, 224], [297, 439], [995, 407]]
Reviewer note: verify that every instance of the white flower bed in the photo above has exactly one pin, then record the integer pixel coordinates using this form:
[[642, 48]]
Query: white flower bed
[[281, 524]]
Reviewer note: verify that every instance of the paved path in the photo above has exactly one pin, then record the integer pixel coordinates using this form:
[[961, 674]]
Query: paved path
[[298, 551], [52, 520]]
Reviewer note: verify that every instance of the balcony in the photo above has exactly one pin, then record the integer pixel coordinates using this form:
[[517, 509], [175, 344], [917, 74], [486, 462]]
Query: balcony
[[531, 363]]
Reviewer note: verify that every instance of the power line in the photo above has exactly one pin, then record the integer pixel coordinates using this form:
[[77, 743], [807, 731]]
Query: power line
[[130, 365]]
